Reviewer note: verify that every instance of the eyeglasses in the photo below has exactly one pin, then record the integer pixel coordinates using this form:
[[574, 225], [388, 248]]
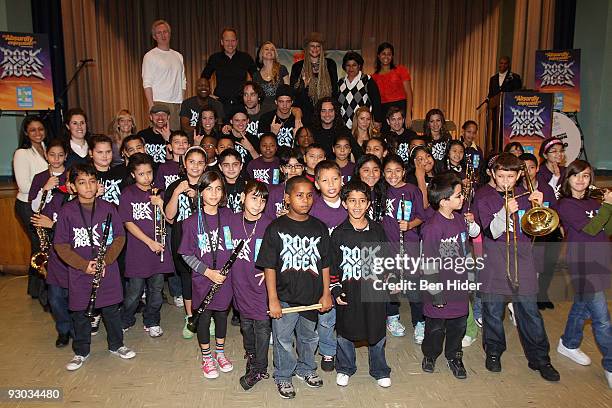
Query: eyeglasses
[[294, 166]]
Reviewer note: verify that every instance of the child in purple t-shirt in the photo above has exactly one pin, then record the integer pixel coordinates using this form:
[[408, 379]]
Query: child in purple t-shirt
[[588, 225], [205, 246], [446, 307], [342, 151], [250, 296], [79, 229], [146, 260], [170, 171], [328, 208], [265, 168], [290, 166]]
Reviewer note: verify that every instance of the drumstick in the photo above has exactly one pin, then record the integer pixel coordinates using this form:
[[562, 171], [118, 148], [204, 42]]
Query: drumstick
[[297, 309]]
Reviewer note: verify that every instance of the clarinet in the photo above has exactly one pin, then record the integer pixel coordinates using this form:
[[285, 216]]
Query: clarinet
[[192, 324], [401, 235], [95, 284]]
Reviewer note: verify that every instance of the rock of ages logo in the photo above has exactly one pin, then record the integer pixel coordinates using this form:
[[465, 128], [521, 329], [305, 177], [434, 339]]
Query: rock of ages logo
[[357, 263], [557, 73], [21, 63], [527, 117], [299, 253]]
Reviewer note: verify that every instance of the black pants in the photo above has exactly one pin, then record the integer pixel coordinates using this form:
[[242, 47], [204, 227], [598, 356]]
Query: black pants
[[436, 330], [204, 325], [82, 329], [256, 340], [36, 284]]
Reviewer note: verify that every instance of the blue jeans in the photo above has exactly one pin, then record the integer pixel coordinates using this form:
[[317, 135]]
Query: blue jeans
[[327, 337], [286, 364], [345, 362], [58, 300], [594, 306], [530, 327], [135, 287]]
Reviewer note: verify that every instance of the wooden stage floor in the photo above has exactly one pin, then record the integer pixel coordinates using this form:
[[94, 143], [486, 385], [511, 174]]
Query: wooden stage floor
[[166, 371]]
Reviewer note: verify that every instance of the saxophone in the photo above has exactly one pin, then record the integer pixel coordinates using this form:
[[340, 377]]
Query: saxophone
[[40, 259]]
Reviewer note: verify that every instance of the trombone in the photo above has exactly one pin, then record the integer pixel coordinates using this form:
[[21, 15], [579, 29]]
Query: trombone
[[511, 223]]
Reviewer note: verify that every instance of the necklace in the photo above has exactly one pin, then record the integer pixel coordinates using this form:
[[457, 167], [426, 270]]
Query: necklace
[[249, 236]]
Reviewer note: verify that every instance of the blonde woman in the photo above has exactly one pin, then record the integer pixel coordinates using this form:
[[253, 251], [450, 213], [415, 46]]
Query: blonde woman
[[363, 125], [270, 75], [123, 125], [314, 77]]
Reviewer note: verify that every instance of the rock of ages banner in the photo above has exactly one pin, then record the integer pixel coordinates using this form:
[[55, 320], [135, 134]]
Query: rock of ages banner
[[527, 118], [25, 72], [558, 72]]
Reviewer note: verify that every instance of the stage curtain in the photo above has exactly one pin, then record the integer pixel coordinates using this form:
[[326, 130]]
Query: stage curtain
[[449, 46], [534, 22]]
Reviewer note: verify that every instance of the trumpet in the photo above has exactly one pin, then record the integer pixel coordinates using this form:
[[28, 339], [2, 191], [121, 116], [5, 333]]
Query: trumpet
[[538, 220], [597, 193], [40, 259], [512, 278], [159, 226]]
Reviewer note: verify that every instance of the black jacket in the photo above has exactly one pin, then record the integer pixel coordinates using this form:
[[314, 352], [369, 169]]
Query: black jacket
[[511, 83]]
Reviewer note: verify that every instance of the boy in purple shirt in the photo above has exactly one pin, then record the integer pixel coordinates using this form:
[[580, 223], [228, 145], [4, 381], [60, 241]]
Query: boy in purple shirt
[[342, 151], [250, 296], [147, 260], [80, 226], [168, 172], [328, 208], [265, 168], [501, 278], [445, 308]]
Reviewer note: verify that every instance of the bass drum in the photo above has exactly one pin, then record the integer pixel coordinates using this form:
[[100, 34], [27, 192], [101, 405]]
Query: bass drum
[[566, 129]]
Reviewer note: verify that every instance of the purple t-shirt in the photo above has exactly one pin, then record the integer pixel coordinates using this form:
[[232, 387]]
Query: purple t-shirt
[[588, 256], [493, 277], [250, 294], [266, 172], [39, 181], [140, 262], [446, 239], [413, 210], [167, 173], [331, 217], [57, 270], [544, 175], [347, 172], [71, 228], [275, 203], [201, 242]]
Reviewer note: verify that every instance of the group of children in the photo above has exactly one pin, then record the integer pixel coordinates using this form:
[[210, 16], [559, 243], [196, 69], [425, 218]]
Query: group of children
[[313, 229]]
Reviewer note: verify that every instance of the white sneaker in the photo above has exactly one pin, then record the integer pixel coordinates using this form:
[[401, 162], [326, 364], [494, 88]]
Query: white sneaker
[[342, 379], [123, 352], [576, 355], [76, 363], [419, 332], [395, 327], [155, 331], [467, 341], [178, 301], [384, 382], [608, 376], [511, 313]]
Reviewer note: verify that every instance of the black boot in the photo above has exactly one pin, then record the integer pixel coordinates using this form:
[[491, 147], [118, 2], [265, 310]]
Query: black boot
[[251, 378], [456, 366], [62, 340], [547, 371], [428, 364], [493, 363]]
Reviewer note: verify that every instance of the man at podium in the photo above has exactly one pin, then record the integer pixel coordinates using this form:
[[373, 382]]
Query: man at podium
[[505, 80]]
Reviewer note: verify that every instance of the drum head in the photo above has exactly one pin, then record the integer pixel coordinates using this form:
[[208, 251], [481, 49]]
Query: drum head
[[565, 129]]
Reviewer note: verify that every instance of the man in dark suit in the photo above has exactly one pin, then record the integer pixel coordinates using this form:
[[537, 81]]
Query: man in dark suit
[[505, 80]]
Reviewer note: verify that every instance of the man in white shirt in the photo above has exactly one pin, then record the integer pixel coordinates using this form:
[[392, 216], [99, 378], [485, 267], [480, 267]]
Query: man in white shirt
[[505, 80], [163, 73]]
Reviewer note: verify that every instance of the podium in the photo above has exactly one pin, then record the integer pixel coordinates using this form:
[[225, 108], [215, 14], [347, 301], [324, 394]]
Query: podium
[[494, 139]]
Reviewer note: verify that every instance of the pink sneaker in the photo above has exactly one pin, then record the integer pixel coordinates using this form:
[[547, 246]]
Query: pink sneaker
[[209, 367], [224, 364]]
